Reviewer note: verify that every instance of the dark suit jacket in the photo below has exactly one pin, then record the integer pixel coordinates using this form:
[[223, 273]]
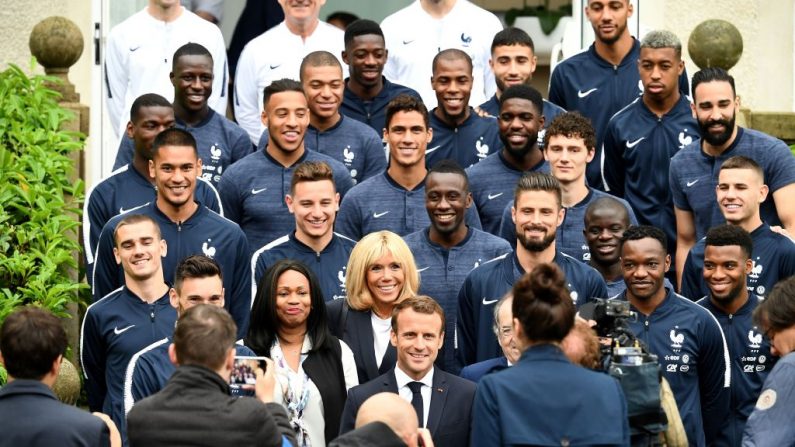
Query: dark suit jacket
[[476, 371], [450, 409], [355, 329], [32, 416]]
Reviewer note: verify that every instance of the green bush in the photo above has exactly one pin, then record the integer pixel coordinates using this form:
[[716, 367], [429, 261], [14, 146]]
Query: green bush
[[40, 204]]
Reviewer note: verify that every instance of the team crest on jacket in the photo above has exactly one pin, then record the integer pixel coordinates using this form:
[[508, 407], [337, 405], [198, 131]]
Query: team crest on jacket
[[207, 249], [684, 139], [755, 339], [676, 339], [756, 269], [481, 148]]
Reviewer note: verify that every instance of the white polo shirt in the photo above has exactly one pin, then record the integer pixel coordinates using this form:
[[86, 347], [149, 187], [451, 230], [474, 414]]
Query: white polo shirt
[[413, 38], [138, 60], [276, 54]]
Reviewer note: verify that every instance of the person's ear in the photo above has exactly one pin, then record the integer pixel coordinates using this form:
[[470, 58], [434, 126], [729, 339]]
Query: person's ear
[[172, 354], [393, 338], [173, 298], [56, 365]]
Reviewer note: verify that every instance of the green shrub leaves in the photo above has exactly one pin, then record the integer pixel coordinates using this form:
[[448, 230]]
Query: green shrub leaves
[[40, 204]]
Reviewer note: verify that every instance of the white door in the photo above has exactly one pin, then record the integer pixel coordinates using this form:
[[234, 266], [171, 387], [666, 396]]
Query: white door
[[105, 15]]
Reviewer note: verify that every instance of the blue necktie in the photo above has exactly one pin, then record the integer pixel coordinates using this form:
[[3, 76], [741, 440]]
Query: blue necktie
[[416, 400]]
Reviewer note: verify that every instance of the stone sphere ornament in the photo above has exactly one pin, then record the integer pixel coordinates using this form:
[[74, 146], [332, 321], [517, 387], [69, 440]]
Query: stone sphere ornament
[[715, 43], [67, 385], [57, 43]]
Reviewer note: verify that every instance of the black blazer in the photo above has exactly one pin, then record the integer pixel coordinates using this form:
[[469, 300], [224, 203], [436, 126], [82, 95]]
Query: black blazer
[[450, 410], [354, 328], [32, 416]]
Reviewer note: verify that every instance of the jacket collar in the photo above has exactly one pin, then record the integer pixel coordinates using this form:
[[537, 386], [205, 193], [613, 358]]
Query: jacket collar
[[542, 352], [298, 245], [195, 376], [437, 122], [163, 219], [26, 386], [630, 58]]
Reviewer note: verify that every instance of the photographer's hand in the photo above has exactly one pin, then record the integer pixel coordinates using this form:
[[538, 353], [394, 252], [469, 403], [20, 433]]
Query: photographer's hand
[[425, 437], [266, 382]]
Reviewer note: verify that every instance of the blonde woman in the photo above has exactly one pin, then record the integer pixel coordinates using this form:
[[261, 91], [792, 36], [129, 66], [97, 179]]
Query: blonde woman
[[380, 273]]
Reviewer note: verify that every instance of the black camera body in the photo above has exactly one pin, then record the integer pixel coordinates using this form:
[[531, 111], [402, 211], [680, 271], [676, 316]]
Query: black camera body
[[627, 358]]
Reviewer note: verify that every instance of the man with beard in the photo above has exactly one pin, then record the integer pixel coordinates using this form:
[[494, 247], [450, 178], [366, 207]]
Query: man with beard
[[693, 173], [569, 147], [727, 262], [220, 141], [458, 132], [368, 91], [447, 250], [537, 213], [686, 338], [395, 199], [741, 188], [513, 62], [493, 179], [642, 137]]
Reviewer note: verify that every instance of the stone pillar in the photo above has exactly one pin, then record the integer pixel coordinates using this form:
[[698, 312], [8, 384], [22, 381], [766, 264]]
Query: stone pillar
[[57, 44]]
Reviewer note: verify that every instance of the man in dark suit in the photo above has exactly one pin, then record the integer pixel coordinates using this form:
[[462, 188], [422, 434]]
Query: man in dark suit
[[32, 345], [442, 401]]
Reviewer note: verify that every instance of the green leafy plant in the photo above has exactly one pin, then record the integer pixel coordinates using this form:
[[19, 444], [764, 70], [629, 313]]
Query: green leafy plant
[[40, 202], [548, 18]]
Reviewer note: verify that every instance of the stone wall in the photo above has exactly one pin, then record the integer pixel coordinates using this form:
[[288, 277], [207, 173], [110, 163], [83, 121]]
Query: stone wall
[[764, 74]]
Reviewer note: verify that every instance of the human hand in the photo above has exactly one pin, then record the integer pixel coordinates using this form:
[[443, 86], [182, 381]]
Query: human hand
[[115, 436], [481, 113], [424, 437], [266, 381]]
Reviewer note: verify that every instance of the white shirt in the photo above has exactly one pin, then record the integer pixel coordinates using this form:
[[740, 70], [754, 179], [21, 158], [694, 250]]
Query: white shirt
[[405, 392], [313, 413], [381, 330], [138, 60], [413, 38], [276, 54]]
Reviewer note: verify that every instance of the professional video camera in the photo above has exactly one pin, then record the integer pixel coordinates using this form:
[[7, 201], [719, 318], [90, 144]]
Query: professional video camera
[[627, 358]]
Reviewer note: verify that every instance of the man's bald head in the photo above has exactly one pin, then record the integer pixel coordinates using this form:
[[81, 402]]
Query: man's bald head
[[393, 411], [608, 204]]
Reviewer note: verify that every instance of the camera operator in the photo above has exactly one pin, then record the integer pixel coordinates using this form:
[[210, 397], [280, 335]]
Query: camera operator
[[686, 338]]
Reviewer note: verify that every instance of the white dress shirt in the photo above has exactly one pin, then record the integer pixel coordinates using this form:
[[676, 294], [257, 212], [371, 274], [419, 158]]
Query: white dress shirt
[[426, 391]]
